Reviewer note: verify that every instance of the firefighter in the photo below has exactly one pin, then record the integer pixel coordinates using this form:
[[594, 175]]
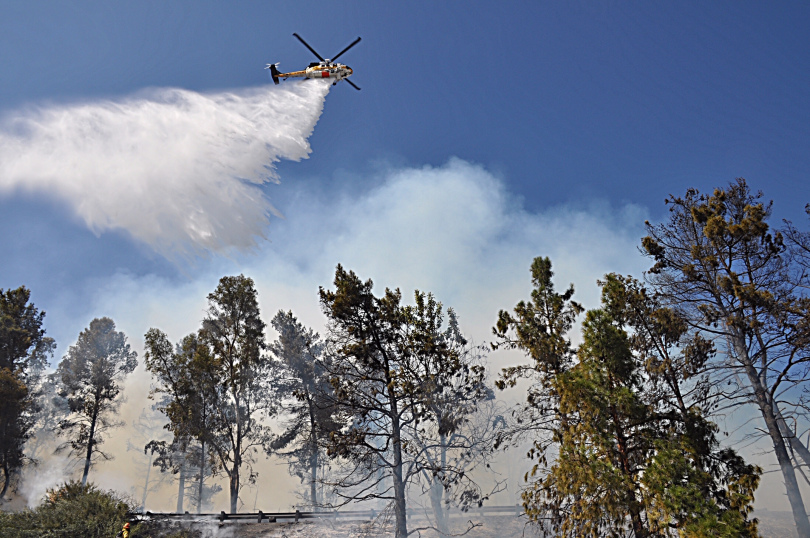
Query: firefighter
[[125, 531]]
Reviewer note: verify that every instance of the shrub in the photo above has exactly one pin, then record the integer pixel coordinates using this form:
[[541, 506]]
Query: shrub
[[70, 510]]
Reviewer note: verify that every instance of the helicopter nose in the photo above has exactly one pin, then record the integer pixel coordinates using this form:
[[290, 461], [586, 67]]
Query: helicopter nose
[[349, 69]]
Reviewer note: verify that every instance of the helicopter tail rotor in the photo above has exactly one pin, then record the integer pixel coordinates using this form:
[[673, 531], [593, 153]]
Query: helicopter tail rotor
[[273, 72]]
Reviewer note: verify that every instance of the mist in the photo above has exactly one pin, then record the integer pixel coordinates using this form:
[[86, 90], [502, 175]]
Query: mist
[[177, 170]]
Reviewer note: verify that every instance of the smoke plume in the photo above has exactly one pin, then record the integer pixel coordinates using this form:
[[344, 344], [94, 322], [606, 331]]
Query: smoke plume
[[178, 170]]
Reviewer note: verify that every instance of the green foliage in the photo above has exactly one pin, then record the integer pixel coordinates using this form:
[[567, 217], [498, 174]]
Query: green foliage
[[181, 383], [626, 419], [184, 384], [218, 382], [539, 328], [23, 344], [15, 423], [679, 489], [24, 352], [737, 281], [70, 510]]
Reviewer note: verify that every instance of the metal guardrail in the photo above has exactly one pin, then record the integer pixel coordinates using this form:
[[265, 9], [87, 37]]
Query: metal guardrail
[[275, 517]]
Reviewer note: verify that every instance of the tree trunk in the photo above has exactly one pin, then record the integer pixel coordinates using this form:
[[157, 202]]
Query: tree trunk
[[400, 510], [146, 484], [796, 444], [639, 529], [313, 469], [6, 481], [788, 472], [234, 475], [237, 455], [90, 445], [202, 478], [181, 489], [436, 492], [234, 488], [313, 447], [786, 466]]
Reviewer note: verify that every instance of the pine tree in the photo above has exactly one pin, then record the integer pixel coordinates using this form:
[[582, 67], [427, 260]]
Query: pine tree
[[625, 444], [24, 352], [241, 374], [91, 376], [718, 264], [388, 363]]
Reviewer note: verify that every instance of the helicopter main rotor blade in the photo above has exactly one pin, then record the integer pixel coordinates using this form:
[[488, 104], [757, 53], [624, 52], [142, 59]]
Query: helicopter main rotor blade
[[355, 42], [352, 83], [307, 46]]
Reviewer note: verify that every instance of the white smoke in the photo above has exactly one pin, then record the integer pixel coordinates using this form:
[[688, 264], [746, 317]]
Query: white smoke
[[52, 472], [179, 170]]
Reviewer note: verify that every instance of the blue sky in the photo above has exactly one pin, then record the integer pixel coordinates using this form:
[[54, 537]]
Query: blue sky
[[567, 102], [485, 133], [623, 101]]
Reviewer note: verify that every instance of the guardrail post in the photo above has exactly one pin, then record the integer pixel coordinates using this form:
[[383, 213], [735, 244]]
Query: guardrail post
[[222, 516], [261, 516], [297, 515]]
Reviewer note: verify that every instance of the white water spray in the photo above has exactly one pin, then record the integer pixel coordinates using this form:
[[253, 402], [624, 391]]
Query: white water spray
[[178, 170]]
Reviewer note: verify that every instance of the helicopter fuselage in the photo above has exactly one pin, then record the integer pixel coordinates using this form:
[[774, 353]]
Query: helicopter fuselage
[[333, 71]]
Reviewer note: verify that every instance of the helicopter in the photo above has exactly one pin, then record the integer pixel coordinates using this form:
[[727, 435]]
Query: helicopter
[[325, 68]]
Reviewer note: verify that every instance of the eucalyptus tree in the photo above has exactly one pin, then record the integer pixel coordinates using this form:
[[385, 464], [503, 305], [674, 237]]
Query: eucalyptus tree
[[189, 465], [736, 282], [241, 375], [217, 386], [388, 364], [24, 352], [185, 396], [458, 439], [142, 430], [91, 375]]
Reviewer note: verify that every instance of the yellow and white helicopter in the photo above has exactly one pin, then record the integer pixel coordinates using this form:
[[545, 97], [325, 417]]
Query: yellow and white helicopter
[[326, 68]]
